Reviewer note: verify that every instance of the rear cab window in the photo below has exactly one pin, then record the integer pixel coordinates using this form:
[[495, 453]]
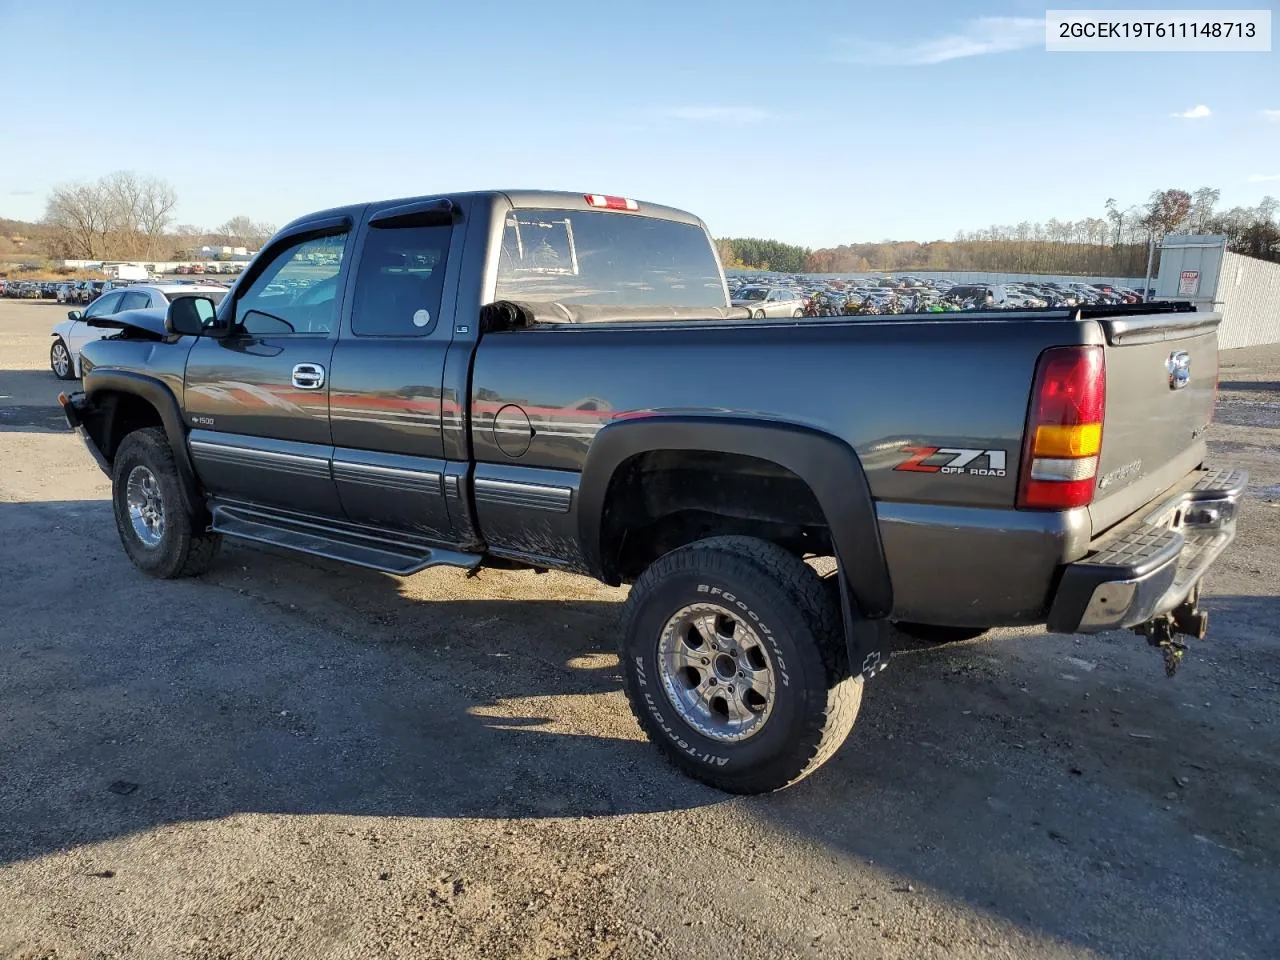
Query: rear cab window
[[605, 258]]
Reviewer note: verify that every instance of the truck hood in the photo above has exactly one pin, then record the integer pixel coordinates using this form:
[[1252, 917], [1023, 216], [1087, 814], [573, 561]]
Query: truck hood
[[150, 320]]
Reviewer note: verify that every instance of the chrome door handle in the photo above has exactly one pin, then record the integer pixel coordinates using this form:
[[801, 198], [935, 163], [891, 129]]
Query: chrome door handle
[[308, 376]]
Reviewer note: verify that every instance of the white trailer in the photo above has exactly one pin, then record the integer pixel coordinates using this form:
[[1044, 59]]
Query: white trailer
[[126, 271]]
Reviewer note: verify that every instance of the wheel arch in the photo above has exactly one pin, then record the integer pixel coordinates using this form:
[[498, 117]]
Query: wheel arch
[[112, 398], [828, 466]]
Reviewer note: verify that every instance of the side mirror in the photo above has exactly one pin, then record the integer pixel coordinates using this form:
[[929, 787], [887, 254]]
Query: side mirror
[[73, 314], [192, 317]]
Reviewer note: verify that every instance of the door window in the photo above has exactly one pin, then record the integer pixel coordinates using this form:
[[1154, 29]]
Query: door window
[[297, 294], [104, 306], [135, 300], [400, 280]]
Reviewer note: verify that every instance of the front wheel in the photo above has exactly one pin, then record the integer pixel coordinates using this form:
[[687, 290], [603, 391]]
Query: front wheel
[[154, 526], [60, 361], [759, 314], [797, 314], [735, 664]]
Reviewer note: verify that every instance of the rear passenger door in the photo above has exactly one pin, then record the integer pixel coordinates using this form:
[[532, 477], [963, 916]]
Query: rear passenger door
[[388, 367]]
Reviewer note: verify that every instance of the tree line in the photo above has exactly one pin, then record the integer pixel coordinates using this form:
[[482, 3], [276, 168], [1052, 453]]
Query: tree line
[[1114, 244], [126, 216]]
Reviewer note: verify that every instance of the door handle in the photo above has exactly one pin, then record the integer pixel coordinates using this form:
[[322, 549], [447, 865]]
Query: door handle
[[308, 376]]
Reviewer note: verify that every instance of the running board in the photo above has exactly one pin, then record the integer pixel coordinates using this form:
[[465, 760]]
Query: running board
[[349, 543]]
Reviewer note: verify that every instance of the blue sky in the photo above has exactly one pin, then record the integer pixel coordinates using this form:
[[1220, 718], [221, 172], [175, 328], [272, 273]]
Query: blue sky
[[812, 122]]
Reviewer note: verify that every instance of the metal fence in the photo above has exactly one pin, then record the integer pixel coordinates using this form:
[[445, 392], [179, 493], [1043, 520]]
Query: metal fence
[[1249, 298]]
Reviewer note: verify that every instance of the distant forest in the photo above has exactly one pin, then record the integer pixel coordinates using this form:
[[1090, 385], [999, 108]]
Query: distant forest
[[1114, 244]]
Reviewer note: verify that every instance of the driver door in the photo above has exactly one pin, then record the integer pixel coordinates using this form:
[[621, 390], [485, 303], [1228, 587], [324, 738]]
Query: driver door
[[257, 401]]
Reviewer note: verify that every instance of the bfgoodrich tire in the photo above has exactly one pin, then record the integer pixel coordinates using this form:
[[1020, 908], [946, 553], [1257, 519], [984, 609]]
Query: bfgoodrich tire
[[153, 524], [735, 664]]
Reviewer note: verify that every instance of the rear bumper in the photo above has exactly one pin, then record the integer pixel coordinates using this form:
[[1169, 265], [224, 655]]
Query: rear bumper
[[1147, 568]]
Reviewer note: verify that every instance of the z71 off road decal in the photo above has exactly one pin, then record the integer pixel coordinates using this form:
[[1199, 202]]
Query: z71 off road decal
[[974, 463]]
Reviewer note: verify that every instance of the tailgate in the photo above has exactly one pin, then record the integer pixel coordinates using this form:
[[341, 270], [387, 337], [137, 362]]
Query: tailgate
[[1162, 372]]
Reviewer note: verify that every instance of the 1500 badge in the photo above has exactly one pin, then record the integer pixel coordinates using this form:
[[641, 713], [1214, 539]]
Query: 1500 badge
[[954, 460]]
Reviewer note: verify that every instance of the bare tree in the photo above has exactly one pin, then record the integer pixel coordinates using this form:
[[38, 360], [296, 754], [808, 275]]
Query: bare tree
[[1202, 203], [247, 233], [120, 214], [80, 220], [156, 212]]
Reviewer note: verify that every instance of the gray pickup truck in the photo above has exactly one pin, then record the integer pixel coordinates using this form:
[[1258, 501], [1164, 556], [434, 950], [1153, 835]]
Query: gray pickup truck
[[558, 380]]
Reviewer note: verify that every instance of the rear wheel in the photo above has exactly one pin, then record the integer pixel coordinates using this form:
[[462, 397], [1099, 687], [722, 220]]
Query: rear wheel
[[735, 664], [797, 313], [759, 314], [154, 527], [60, 361]]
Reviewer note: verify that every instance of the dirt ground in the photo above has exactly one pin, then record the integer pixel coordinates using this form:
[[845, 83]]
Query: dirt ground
[[287, 758]]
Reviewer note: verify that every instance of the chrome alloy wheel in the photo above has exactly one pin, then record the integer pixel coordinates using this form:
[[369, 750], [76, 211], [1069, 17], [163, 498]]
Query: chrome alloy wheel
[[146, 510], [716, 672]]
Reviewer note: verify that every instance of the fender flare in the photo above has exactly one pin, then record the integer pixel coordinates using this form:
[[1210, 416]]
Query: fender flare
[[158, 394], [828, 465]]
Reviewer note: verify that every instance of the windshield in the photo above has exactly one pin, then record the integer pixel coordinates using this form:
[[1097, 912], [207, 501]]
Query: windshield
[[607, 259], [752, 293]]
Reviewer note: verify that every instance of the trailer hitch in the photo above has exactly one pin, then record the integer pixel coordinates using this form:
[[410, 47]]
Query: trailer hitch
[[1186, 619]]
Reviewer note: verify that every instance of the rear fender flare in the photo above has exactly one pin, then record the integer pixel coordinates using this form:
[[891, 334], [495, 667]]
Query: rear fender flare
[[158, 394], [829, 466]]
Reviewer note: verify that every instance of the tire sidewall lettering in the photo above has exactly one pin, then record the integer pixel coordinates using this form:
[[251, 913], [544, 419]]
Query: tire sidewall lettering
[[673, 730]]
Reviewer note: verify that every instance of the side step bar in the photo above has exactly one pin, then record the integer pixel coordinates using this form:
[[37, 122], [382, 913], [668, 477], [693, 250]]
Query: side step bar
[[400, 554]]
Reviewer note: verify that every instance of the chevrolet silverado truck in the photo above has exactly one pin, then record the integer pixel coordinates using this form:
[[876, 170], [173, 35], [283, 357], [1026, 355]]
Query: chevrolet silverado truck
[[551, 380]]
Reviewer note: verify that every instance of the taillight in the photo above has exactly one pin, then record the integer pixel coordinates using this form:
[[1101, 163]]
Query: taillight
[[611, 203], [1064, 429]]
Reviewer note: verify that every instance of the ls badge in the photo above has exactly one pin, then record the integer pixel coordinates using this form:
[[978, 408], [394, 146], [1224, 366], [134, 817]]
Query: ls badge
[[1179, 367]]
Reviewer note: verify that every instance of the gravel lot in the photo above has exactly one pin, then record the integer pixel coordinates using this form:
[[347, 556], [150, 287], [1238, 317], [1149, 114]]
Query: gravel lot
[[286, 758]]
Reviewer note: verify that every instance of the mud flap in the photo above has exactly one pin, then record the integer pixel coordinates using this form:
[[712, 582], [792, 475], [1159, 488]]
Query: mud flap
[[868, 641]]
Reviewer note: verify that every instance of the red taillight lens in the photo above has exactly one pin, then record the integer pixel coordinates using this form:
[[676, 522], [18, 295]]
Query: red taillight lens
[[1064, 429], [1070, 387]]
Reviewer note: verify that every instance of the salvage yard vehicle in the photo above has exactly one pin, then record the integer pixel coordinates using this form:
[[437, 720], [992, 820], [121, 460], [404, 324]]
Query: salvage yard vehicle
[[70, 336], [770, 302], [538, 379]]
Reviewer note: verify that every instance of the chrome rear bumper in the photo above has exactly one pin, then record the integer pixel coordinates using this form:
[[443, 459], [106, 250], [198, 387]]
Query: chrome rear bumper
[[1145, 570]]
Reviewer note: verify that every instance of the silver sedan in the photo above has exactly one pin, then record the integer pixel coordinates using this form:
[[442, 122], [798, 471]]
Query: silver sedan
[[770, 302]]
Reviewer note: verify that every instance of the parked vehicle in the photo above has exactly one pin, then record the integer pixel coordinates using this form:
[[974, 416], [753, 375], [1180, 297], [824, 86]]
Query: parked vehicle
[[127, 271], [78, 329], [770, 302], [398, 415]]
